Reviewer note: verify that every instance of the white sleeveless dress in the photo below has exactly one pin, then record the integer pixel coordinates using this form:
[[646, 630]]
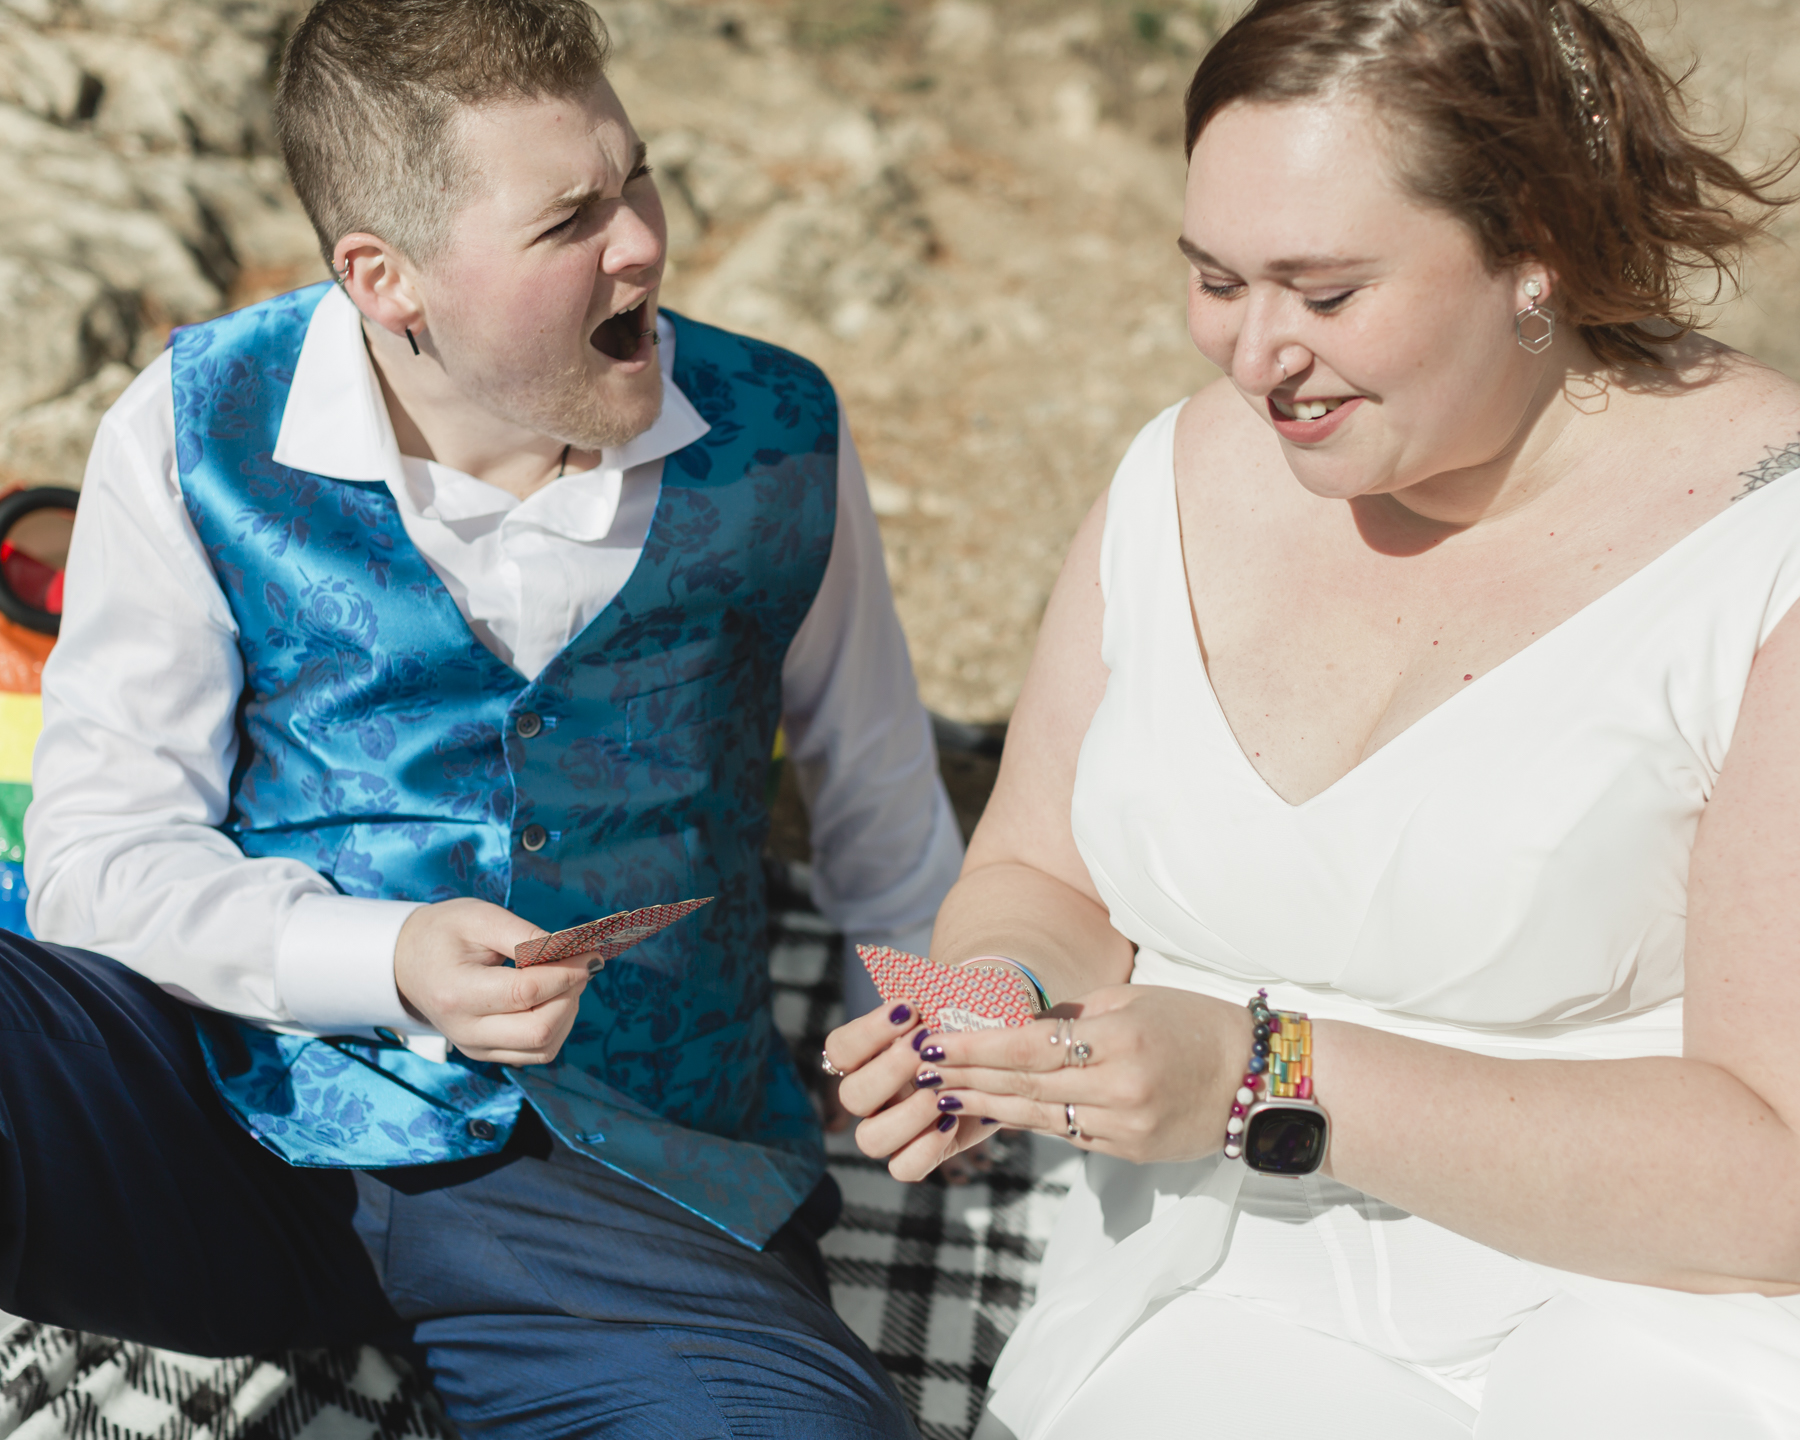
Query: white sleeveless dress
[[1507, 876]]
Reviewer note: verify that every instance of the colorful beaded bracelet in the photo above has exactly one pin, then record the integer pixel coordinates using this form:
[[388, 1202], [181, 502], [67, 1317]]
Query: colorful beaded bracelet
[[1043, 998], [1280, 1058]]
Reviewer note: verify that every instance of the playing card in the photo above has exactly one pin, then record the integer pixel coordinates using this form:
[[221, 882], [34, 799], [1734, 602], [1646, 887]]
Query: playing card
[[951, 997], [605, 938]]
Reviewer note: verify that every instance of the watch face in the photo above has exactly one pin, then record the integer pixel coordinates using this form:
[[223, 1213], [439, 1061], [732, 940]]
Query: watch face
[[1280, 1141]]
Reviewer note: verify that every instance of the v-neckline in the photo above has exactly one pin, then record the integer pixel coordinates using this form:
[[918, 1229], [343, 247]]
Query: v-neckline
[[1218, 709]]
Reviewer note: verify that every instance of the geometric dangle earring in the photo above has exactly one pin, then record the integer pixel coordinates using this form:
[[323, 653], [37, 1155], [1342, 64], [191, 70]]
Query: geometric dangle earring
[[1534, 325]]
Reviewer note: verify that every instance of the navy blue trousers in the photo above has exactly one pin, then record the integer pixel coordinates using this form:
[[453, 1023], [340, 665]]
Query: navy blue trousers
[[547, 1295]]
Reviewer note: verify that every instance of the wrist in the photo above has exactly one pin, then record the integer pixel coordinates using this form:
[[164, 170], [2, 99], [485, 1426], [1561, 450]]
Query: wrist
[[334, 964], [1277, 1125]]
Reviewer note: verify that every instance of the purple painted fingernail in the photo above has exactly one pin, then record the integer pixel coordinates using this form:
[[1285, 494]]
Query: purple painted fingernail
[[949, 1102], [933, 1053], [989, 1120], [927, 1079], [900, 1014], [920, 1038], [947, 1124]]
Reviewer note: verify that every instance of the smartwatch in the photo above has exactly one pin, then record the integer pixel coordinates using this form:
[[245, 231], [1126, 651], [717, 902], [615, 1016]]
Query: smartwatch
[[1276, 1126], [1286, 1137]]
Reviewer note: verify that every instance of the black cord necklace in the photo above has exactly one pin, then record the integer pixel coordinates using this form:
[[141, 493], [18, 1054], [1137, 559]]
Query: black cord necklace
[[562, 464]]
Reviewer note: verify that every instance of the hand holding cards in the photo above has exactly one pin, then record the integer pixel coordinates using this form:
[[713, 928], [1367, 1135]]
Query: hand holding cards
[[605, 938], [978, 996]]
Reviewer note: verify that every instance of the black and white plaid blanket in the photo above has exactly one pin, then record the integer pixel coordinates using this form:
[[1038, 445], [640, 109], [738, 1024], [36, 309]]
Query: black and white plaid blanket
[[933, 1277]]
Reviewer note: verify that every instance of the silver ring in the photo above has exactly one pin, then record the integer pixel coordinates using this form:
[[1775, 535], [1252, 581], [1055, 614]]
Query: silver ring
[[830, 1069], [1064, 1036], [1073, 1131], [1283, 364], [1083, 1052]]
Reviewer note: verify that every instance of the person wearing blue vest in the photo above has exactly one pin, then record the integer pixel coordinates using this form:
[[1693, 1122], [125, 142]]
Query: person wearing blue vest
[[410, 616]]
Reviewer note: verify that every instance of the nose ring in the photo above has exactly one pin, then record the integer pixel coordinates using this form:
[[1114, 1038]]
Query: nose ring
[[1283, 364]]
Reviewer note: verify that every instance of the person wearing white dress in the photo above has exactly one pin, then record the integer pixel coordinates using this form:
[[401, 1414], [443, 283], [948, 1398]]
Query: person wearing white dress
[[1479, 746]]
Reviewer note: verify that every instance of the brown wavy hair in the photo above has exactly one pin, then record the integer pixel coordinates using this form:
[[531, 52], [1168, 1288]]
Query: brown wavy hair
[[1545, 126]]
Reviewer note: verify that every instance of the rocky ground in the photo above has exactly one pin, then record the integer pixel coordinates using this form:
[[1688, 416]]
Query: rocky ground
[[966, 211]]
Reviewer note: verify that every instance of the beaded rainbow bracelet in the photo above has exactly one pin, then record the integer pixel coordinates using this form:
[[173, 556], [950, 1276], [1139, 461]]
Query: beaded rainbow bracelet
[[1280, 1058], [1043, 998]]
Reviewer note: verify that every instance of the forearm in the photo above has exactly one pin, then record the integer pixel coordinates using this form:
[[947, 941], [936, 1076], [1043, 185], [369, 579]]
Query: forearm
[[1011, 909], [1667, 1172]]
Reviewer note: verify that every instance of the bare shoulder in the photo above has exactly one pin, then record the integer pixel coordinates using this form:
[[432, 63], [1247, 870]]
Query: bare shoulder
[[1221, 438], [1729, 412], [1231, 474], [1764, 412], [1217, 416]]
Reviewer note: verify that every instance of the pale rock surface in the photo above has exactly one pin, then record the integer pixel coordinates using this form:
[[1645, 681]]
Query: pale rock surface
[[140, 194], [38, 73], [49, 442]]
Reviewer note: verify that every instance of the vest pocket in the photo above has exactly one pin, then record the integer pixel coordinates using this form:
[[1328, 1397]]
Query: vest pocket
[[659, 714]]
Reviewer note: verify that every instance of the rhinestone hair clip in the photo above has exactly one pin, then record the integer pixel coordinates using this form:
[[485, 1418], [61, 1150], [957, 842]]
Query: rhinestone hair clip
[[1582, 82]]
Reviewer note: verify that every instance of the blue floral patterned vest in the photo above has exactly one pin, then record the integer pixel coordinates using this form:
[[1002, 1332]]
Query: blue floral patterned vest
[[381, 744]]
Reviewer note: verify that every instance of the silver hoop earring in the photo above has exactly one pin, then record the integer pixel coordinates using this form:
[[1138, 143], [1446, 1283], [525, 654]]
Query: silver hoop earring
[[1534, 325]]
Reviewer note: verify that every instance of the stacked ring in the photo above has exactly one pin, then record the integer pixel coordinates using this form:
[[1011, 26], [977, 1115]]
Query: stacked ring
[[830, 1069], [1077, 1051]]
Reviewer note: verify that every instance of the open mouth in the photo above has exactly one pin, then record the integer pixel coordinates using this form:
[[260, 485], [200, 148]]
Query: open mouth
[[1311, 422], [621, 336], [1306, 409]]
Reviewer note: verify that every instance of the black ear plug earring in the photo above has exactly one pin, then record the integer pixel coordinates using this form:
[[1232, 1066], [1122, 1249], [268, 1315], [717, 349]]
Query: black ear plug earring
[[412, 342]]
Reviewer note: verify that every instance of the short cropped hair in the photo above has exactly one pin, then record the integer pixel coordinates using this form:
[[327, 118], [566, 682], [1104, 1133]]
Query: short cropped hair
[[1544, 125], [369, 93]]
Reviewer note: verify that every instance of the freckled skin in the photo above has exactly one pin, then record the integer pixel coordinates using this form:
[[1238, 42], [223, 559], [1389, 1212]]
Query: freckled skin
[[514, 306], [561, 232], [1416, 337]]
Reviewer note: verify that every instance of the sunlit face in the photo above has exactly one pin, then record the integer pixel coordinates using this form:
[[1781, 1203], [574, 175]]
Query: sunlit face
[[543, 304], [1400, 353]]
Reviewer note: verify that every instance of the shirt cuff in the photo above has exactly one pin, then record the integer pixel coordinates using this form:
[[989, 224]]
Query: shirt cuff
[[334, 966]]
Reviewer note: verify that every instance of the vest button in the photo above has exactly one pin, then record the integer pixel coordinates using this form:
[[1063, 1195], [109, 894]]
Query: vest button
[[534, 837], [481, 1130], [529, 725]]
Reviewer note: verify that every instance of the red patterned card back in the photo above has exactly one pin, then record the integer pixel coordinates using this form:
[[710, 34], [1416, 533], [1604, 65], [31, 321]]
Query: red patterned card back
[[605, 938], [951, 997]]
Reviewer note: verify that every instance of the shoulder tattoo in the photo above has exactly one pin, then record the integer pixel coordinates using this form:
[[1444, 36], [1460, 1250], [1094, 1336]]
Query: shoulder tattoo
[[1769, 469]]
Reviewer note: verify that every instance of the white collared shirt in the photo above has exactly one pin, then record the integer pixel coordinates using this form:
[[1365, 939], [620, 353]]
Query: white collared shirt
[[132, 774]]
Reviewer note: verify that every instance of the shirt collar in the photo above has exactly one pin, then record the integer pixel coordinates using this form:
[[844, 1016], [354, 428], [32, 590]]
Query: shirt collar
[[336, 424]]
